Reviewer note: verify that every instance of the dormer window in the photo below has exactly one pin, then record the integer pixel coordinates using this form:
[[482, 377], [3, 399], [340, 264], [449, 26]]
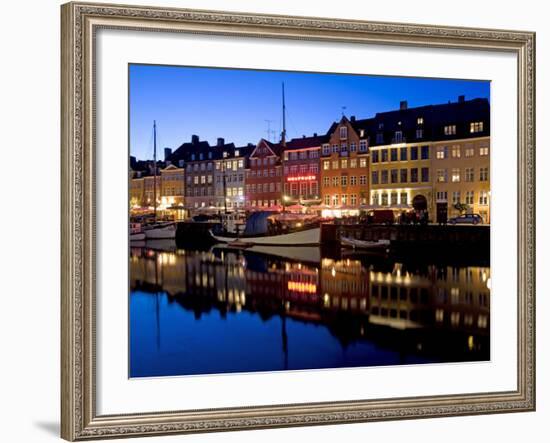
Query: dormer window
[[420, 121], [224, 154], [237, 153], [343, 132], [210, 155], [192, 157], [201, 156], [449, 130], [476, 127], [380, 126], [362, 133]]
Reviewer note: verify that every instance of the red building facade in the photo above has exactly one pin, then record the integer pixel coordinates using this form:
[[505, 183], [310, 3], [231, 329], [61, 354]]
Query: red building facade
[[301, 174], [264, 178]]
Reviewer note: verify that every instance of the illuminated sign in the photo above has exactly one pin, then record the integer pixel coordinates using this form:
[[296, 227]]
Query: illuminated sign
[[301, 178], [298, 286]]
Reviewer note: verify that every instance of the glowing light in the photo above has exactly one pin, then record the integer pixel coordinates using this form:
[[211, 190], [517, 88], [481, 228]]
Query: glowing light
[[470, 343], [297, 286], [301, 178], [333, 272]]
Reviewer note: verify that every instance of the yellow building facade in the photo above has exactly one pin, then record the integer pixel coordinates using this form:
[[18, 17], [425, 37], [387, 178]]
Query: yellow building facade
[[401, 176], [461, 176]]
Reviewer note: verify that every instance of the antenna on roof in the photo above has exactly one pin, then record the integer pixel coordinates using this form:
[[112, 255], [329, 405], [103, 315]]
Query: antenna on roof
[[343, 109], [269, 129]]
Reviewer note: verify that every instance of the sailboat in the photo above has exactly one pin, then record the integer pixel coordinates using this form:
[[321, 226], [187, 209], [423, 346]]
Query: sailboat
[[158, 230]]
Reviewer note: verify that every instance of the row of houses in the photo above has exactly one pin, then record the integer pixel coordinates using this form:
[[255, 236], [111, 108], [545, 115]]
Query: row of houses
[[422, 158]]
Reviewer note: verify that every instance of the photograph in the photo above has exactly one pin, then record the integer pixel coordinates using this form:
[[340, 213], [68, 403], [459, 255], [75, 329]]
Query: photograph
[[288, 220]]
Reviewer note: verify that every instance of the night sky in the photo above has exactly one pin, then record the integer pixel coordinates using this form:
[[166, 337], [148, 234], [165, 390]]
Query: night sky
[[235, 103]]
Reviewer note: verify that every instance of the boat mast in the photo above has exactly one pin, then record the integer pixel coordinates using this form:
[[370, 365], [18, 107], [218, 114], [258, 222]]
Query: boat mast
[[155, 167], [283, 134]]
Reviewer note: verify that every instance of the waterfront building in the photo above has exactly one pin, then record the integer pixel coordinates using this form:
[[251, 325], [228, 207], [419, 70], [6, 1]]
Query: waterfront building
[[230, 176], [418, 158], [264, 178], [344, 167], [301, 174]]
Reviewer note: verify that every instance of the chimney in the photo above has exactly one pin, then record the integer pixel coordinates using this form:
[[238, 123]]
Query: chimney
[[461, 99], [303, 136], [403, 105], [167, 153], [314, 134], [195, 139], [352, 118], [221, 141]]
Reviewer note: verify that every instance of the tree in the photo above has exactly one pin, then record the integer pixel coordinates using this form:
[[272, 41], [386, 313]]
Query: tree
[[461, 207]]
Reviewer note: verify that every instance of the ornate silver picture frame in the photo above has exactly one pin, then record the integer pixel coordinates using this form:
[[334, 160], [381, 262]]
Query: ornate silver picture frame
[[80, 22]]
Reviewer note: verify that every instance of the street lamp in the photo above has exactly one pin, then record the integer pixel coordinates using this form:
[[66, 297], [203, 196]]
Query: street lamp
[[286, 199]]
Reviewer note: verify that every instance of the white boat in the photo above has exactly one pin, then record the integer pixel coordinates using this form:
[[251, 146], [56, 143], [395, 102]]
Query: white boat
[[363, 244], [303, 237], [160, 231], [136, 232]]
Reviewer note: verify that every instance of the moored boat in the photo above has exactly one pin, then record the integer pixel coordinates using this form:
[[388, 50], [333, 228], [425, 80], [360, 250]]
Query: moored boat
[[160, 231], [303, 237], [136, 232], [354, 243]]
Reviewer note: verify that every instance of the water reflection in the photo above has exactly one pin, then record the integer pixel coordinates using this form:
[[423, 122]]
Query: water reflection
[[216, 311]]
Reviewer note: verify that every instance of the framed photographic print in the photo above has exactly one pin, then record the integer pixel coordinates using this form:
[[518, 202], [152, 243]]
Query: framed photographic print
[[281, 221]]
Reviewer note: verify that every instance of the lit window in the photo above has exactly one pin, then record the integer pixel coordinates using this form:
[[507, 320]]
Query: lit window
[[455, 175], [442, 152], [420, 121], [326, 165], [441, 175], [484, 150], [484, 198], [476, 127], [455, 151], [456, 197], [469, 200], [449, 130]]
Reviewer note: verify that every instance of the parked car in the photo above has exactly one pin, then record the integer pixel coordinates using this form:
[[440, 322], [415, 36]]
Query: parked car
[[466, 219]]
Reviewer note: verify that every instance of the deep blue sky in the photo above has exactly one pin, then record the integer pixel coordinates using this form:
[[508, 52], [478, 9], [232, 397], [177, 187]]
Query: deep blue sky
[[235, 104]]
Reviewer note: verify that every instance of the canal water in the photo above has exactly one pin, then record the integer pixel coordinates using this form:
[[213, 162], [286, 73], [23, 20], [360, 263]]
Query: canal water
[[225, 311]]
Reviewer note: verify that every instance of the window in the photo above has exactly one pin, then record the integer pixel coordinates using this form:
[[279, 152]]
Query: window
[[469, 174], [343, 147], [353, 199], [456, 197], [414, 175], [483, 174], [362, 145], [484, 150], [344, 199], [420, 121], [425, 174], [414, 152], [398, 138], [442, 152], [335, 200], [393, 198], [455, 175], [384, 176], [303, 155], [469, 151], [384, 199], [403, 175], [353, 163], [419, 133], [335, 148], [335, 164], [425, 152], [353, 180], [403, 154], [327, 200], [374, 156], [352, 147], [441, 175], [393, 154], [455, 151], [380, 138], [441, 196], [476, 127], [484, 198], [384, 155], [449, 130], [404, 198], [303, 169], [203, 179], [343, 132], [326, 181], [469, 198], [394, 175], [326, 149], [344, 180], [344, 163], [375, 199], [363, 162], [363, 180], [326, 165], [313, 168], [335, 181], [314, 153]]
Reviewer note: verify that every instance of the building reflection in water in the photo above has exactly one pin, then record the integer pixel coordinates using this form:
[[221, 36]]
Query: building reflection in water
[[194, 312]]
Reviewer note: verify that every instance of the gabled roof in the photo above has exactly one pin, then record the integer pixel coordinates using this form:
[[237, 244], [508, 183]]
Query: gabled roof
[[276, 148]]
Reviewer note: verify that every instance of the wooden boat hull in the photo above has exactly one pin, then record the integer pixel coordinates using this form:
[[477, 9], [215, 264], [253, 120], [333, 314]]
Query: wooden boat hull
[[300, 238], [161, 232], [137, 237], [349, 242]]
